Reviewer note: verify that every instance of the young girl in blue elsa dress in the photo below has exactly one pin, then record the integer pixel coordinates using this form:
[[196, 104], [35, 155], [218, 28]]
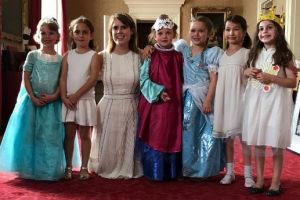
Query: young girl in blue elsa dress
[[32, 144], [202, 154]]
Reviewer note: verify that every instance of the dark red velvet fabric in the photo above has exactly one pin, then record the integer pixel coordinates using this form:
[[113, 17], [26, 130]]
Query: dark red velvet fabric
[[161, 122]]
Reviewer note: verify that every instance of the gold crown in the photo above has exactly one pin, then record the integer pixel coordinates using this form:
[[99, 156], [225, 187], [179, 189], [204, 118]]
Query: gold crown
[[270, 15]]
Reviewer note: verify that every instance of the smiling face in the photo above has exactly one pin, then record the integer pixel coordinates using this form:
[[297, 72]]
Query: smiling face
[[233, 33], [81, 35], [48, 37], [121, 33], [198, 33], [267, 33]]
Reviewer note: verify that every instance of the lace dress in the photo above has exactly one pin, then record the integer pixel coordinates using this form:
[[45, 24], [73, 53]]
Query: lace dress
[[114, 138]]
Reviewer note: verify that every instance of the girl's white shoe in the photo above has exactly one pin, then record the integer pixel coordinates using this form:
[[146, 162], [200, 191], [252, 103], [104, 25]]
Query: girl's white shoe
[[227, 179], [249, 182]]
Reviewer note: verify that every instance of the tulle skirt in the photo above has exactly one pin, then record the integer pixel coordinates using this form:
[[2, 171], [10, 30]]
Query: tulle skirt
[[32, 145]]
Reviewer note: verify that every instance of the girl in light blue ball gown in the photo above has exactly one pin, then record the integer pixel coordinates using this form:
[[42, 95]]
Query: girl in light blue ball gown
[[202, 154]]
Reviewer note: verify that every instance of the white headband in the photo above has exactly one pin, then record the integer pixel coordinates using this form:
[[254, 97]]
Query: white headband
[[163, 23]]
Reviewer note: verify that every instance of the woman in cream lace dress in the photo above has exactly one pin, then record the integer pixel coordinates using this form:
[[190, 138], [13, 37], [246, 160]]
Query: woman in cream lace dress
[[113, 141]]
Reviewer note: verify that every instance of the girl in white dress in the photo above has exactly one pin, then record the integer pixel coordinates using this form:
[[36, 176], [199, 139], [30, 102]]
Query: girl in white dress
[[230, 89], [113, 140], [79, 75], [268, 99]]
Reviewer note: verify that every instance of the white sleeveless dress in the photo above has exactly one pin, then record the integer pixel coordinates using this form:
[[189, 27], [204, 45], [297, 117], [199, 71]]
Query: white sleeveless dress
[[78, 74], [268, 108], [114, 138]]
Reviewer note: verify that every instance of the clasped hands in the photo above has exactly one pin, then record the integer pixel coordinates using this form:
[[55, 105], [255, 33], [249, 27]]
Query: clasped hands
[[43, 99], [259, 75], [70, 101]]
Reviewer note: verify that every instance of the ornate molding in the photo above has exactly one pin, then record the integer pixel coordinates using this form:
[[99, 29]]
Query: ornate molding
[[154, 2], [226, 10], [151, 9]]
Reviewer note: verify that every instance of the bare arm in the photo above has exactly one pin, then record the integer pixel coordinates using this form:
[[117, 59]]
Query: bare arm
[[207, 104], [63, 84], [100, 54]]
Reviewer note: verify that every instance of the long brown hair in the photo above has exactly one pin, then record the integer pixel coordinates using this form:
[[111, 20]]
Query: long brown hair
[[85, 21], [239, 20], [282, 56], [128, 22]]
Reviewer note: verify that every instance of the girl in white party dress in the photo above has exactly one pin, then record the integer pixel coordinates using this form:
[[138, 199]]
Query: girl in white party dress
[[229, 95], [79, 75], [268, 99]]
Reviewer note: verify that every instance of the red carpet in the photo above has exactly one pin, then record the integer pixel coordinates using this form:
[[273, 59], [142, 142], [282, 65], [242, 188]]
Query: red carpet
[[15, 188]]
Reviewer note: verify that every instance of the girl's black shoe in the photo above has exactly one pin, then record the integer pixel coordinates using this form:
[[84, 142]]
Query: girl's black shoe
[[256, 190], [272, 192]]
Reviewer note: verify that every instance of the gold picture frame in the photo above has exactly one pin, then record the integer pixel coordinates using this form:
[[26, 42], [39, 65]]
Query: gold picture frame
[[218, 17], [17, 23]]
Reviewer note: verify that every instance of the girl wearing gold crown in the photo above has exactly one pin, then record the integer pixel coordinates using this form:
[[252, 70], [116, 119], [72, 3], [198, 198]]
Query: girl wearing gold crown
[[268, 99]]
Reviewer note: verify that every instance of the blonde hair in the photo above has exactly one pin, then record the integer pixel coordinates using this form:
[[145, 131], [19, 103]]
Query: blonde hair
[[51, 23], [151, 36]]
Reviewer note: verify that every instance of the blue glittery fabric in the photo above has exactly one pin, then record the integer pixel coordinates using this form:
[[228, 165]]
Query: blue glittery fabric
[[202, 154], [159, 166]]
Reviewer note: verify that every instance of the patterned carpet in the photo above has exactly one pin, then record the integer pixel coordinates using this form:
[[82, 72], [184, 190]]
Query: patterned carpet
[[15, 188]]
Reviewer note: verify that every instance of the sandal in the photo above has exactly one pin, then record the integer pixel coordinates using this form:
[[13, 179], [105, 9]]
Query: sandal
[[84, 173], [68, 173], [228, 179]]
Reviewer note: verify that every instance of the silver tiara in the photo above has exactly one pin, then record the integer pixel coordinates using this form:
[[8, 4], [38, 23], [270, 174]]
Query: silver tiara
[[163, 23]]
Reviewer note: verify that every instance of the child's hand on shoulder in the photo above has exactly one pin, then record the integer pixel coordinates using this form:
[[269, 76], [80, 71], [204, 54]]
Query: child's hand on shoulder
[[146, 52]]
